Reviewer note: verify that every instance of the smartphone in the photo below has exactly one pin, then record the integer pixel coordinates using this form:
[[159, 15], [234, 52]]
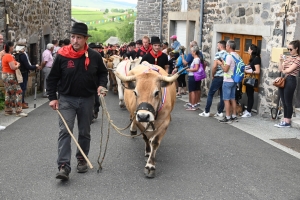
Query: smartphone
[[220, 59]]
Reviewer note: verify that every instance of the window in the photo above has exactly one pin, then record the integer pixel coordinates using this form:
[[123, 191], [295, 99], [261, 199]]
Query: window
[[183, 5]]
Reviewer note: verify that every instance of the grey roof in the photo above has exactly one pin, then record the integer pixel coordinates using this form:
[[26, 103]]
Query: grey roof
[[112, 40]]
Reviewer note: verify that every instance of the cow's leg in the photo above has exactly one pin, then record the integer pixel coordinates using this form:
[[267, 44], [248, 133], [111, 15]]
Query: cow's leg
[[147, 146], [133, 128], [110, 81], [149, 170], [120, 93]]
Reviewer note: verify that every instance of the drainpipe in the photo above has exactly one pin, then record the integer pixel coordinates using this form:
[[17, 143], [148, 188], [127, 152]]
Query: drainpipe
[[161, 13], [201, 23], [7, 21]]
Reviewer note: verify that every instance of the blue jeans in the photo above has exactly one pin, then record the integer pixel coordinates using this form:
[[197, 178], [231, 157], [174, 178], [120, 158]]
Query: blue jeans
[[216, 85], [70, 107]]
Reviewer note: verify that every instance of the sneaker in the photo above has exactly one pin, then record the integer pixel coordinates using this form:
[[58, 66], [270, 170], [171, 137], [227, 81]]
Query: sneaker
[[246, 114], [2, 127], [234, 119], [178, 95], [63, 173], [7, 113], [204, 114], [192, 108], [218, 115], [284, 125], [82, 166], [279, 124], [21, 114], [197, 106], [225, 121], [187, 105]]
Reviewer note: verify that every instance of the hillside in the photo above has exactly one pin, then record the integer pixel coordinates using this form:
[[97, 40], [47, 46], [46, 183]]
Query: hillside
[[103, 4]]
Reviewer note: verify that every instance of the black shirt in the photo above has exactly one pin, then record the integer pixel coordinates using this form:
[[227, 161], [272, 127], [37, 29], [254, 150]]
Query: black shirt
[[73, 78], [131, 54], [172, 63], [255, 61], [162, 60]]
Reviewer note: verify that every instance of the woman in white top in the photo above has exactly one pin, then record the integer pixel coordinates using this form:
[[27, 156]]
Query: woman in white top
[[194, 86]]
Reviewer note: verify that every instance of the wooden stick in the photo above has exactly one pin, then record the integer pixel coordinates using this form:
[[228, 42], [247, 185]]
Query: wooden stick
[[83, 154]]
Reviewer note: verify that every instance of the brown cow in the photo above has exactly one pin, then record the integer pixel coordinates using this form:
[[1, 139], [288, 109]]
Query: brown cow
[[111, 63], [149, 96]]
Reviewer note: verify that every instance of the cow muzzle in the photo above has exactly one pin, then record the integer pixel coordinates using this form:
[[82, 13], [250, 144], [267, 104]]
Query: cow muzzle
[[145, 113]]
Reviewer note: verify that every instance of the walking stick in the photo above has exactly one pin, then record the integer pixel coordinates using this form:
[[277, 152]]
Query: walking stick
[[82, 153], [35, 89]]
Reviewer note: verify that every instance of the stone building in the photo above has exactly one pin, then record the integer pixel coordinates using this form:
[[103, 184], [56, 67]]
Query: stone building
[[246, 21], [37, 22]]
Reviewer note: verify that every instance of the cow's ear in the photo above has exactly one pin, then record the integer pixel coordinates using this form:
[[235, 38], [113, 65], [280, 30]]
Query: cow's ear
[[131, 85], [164, 83]]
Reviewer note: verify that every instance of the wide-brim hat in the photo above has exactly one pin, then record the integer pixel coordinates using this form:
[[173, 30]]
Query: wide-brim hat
[[93, 45], [155, 40], [80, 29], [139, 42]]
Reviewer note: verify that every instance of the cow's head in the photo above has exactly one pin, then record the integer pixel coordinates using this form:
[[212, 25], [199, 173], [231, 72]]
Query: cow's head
[[147, 90]]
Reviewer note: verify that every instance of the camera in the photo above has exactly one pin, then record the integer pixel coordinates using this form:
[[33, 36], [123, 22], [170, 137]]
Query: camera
[[220, 59], [182, 51]]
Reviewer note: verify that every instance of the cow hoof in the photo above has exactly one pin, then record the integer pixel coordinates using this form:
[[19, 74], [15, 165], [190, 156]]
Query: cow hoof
[[133, 133], [149, 173], [122, 106]]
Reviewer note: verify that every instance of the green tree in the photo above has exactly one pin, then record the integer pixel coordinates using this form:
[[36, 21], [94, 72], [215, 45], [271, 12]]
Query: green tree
[[126, 31], [106, 10]]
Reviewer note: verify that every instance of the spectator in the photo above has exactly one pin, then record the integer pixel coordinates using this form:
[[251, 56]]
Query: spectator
[[181, 79], [155, 56], [188, 61], [175, 44], [56, 48], [146, 48], [217, 82], [80, 71], [290, 67], [61, 43], [66, 42], [25, 65], [165, 47], [193, 85], [229, 86], [252, 68], [13, 91], [172, 63], [2, 52], [47, 65]]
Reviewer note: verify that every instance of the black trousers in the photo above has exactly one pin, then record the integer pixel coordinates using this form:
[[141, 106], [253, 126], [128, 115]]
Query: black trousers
[[286, 95], [250, 95]]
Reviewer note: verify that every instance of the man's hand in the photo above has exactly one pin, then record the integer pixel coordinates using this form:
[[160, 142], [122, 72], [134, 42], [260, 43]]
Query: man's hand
[[54, 104], [102, 91]]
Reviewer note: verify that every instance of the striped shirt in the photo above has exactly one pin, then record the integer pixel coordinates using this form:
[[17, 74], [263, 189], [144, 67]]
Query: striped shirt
[[289, 61]]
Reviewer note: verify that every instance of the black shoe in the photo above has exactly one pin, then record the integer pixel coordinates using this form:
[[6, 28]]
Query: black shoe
[[82, 166], [234, 119], [63, 173], [225, 121]]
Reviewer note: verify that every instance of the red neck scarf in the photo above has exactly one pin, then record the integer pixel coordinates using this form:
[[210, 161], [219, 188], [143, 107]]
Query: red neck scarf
[[69, 52], [148, 50], [155, 56]]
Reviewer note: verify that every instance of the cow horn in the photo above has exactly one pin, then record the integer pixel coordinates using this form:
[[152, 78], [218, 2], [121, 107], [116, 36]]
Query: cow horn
[[125, 78], [169, 79]]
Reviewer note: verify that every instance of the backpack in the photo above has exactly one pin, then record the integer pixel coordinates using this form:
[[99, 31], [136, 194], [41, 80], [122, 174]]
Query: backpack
[[238, 72]]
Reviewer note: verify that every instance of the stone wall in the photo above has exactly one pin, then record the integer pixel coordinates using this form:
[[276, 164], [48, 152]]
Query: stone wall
[[269, 14], [32, 20], [148, 18]]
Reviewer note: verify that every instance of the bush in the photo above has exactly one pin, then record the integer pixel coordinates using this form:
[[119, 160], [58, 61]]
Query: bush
[[2, 99]]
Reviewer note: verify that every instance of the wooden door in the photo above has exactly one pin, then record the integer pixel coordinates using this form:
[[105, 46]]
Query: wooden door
[[242, 43]]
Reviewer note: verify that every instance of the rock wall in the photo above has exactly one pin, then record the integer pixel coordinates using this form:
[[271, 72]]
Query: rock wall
[[32, 20], [269, 13]]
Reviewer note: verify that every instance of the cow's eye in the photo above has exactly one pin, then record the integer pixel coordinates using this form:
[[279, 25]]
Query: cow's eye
[[135, 93], [156, 93]]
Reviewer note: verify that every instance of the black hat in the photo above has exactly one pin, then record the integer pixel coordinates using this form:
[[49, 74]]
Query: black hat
[[93, 45], [80, 29], [131, 44], [139, 42], [155, 40]]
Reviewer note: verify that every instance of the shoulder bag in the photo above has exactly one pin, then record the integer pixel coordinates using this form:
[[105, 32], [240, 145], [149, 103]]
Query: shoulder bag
[[251, 81], [280, 83]]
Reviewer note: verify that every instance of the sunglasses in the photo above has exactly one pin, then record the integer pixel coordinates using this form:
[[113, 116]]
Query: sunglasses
[[290, 49]]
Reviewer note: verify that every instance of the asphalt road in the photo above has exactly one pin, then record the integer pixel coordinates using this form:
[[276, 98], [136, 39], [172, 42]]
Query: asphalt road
[[199, 158]]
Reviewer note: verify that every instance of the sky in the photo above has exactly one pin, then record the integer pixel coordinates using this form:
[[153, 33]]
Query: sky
[[128, 1]]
